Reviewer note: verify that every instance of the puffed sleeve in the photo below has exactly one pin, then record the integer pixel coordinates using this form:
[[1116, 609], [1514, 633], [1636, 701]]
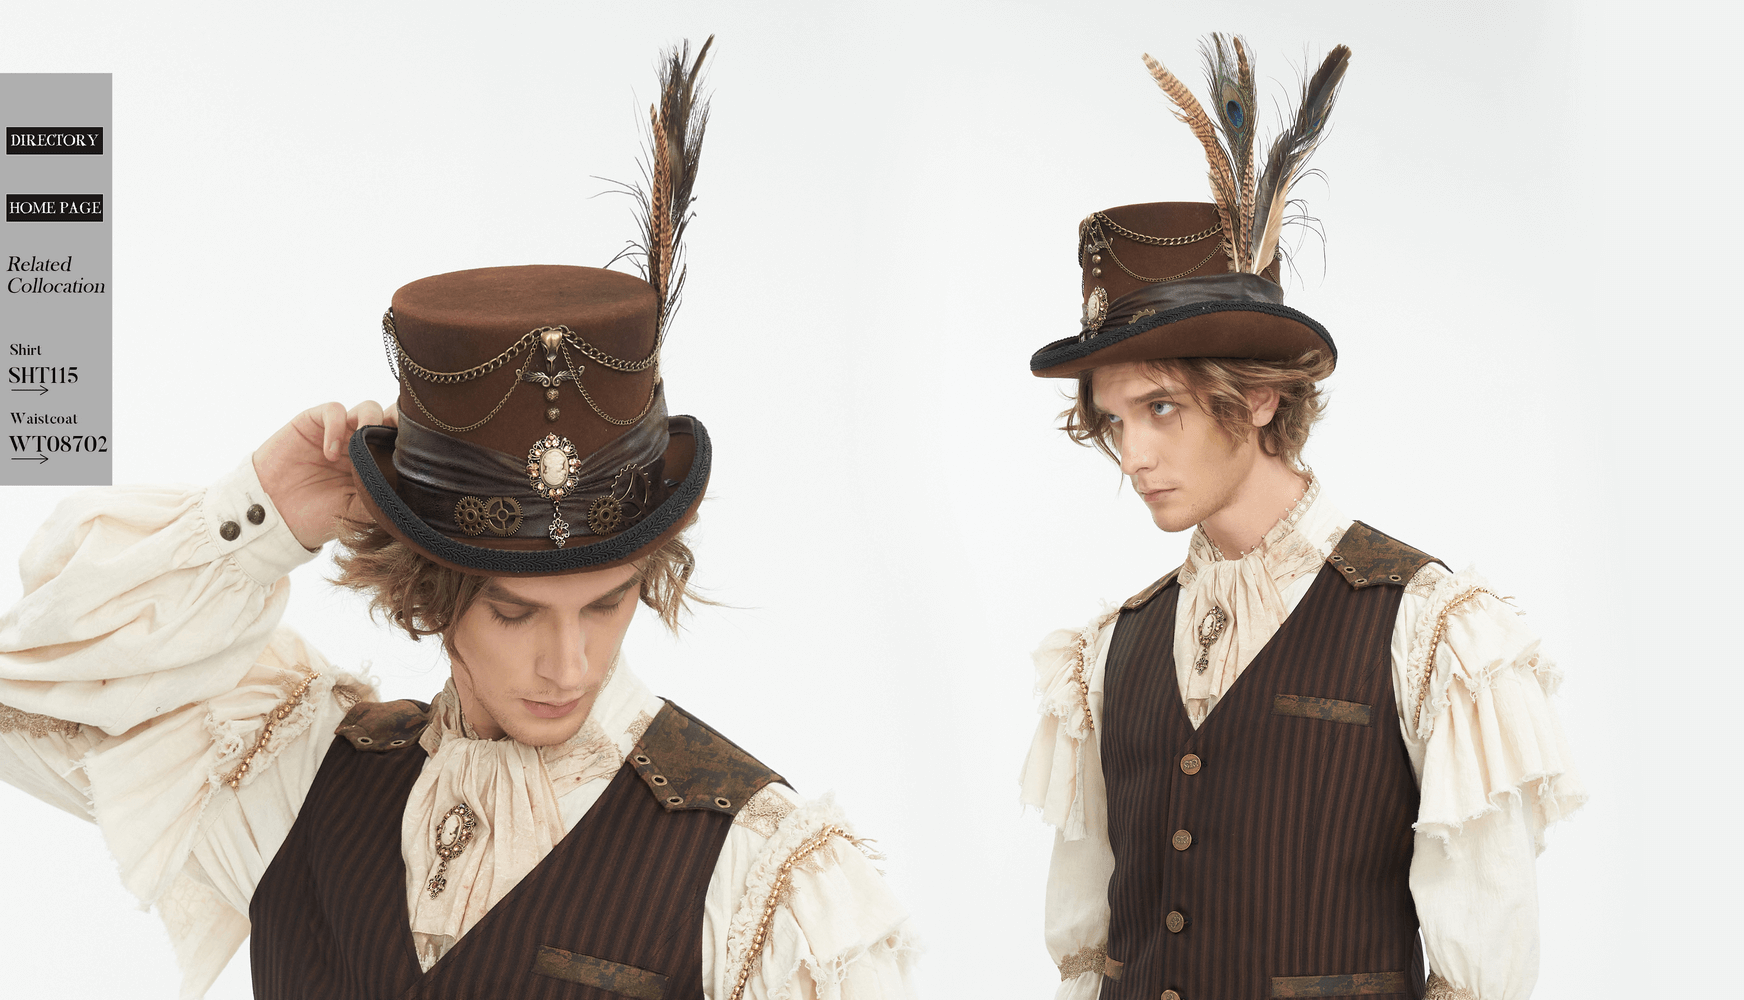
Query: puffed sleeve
[[1063, 778], [1494, 770], [146, 687], [796, 910]]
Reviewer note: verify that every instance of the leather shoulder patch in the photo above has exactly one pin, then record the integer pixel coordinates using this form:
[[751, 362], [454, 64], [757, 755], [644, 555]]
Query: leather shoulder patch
[[380, 726], [687, 765], [1144, 596], [1366, 557]]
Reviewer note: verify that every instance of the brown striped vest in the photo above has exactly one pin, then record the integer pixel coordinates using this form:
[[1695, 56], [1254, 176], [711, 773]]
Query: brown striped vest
[[615, 910], [1265, 854]]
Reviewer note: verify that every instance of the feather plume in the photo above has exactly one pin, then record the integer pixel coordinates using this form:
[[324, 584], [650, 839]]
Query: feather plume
[[1290, 152], [1232, 95], [676, 123], [1223, 179]]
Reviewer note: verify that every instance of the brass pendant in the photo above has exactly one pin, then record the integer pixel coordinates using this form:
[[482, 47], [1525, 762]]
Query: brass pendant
[[457, 837], [553, 468], [1210, 630]]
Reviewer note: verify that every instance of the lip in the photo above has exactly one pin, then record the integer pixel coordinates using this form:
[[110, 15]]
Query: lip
[[546, 710], [1152, 496]]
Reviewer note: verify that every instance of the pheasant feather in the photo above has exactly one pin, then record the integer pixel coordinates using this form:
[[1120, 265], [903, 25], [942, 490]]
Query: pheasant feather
[[1290, 152], [1223, 179]]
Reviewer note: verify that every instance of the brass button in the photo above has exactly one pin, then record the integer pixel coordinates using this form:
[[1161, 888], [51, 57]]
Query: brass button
[[1182, 840], [256, 514], [1175, 922], [1171, 995], [1190, 764], [229, 530]]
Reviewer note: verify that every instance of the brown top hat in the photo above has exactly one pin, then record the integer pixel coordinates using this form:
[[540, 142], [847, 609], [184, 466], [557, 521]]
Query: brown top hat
[[534, 438], [1200, 279]]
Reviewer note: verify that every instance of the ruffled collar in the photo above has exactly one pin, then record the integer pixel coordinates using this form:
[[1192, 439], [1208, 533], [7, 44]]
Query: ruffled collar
[[511, 793], [1246, 595]]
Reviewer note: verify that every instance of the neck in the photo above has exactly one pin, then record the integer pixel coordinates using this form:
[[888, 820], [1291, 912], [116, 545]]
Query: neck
[[1264, 497]]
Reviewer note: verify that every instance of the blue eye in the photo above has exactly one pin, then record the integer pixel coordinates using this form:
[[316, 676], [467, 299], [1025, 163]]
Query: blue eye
[[1162, 408]]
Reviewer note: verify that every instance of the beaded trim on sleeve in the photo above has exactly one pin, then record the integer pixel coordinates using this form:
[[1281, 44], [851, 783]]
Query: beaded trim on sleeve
[[1441, 989], [1471, 594], [1090, 958], [234, 778], [31, 724], [817, 842], [1081, 668]]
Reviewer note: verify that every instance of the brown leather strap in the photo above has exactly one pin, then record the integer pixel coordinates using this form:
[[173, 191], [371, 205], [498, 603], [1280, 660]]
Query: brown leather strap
[[1355, 985]]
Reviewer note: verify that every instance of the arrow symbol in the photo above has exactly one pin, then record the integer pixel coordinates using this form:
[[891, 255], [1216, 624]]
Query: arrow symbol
[[39, 459], [36, 389]]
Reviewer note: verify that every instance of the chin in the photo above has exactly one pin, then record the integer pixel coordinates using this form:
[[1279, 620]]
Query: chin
[[1173, 518]]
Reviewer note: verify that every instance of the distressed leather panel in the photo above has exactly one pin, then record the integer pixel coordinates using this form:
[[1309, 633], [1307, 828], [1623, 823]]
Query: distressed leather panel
[[1358, 985], [687, 765], [614, 977], [1348, 712], [381, 726], [1366, 557]]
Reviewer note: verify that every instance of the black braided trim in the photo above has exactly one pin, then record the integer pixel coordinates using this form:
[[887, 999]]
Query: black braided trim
[[555, 560], [1072, 349]]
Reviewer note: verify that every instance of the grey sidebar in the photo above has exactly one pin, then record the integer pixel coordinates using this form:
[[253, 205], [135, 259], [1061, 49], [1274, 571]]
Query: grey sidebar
[[56, 321]]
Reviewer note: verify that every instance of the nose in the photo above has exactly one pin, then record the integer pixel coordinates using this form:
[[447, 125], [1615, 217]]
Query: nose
[[562, 658], [1135, 455]]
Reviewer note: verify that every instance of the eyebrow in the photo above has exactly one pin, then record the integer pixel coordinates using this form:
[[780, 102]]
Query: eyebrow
[[494, 591], [1155, 395]]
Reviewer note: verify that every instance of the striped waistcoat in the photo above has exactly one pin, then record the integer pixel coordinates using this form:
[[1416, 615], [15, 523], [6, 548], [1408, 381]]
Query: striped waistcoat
[[615, 910], [1267, 853]]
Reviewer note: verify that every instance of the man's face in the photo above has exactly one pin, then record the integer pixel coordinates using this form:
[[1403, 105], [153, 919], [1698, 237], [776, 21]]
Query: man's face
[[532, 653], [1179, 460]]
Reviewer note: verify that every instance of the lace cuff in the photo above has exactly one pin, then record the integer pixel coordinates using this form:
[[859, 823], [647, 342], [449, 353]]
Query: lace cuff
[[1068, 668]]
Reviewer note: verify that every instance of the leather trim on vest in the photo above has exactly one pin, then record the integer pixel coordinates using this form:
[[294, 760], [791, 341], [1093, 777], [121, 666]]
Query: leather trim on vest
[[1366, 557], [613, 977], [1144, 596], [1358, 985], [1348, 712], [380, 726], [687, 765]]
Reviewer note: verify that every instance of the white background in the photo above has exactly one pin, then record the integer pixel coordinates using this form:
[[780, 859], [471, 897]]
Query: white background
[[1531, 218]]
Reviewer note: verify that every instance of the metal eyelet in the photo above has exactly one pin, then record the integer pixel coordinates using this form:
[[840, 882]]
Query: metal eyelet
[[1350, 569], [1393, 577], [675, 800], [1361, 580], [723, 803], [658, 779], [641, 759], [397, 743], [364, 740]]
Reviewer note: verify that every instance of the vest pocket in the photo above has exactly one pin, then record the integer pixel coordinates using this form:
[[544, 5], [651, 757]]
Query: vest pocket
[[613, 977], [1348, 712], [1357, 985]]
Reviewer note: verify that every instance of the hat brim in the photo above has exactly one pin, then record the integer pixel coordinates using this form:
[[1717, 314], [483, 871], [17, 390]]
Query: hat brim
[[372, 449], [1266, 331]]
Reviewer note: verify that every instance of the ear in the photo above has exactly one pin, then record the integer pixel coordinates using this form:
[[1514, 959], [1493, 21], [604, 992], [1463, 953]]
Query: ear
[[1262, 405]]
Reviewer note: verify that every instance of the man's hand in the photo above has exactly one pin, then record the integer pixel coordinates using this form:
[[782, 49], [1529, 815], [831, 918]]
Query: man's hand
[[307, 472]]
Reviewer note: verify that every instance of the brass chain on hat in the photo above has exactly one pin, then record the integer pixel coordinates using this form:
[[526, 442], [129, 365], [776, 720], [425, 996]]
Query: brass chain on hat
[[1093, 238], [399, 362]]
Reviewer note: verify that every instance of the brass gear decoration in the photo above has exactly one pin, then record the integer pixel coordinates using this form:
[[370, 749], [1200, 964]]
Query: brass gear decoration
[[469, 515], [605, 515]]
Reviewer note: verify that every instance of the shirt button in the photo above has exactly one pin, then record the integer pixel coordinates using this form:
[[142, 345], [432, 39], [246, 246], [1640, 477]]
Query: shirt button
[[256, 514], [1176, 922], [1190, 764], [1171, 995], [1182, 840], [229, 530]]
